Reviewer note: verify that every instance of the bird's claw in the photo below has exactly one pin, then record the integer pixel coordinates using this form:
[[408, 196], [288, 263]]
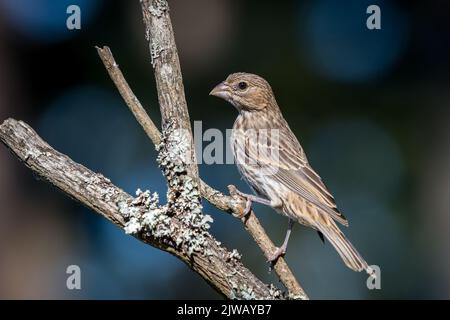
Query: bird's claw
[[247, 209], [279, 252], [248, 204]]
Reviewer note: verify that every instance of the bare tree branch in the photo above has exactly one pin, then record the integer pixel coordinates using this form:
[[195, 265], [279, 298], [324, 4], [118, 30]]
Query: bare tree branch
[[169, 80], [128, 96], [219, 267], [179, 227], [173, 104], [234, 205]]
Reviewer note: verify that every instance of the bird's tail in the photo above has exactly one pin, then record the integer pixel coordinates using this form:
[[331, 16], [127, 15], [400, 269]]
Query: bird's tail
[[348, 253]]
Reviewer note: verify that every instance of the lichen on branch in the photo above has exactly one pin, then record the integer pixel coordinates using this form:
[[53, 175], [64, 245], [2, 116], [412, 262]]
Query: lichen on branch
[[145, 215]]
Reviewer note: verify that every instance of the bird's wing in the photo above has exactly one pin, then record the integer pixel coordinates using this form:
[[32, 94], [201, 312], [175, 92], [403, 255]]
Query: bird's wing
[[311, 190], [291, 168]]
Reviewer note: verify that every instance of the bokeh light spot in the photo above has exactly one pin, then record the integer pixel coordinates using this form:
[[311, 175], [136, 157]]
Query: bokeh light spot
[[340, 47], [45, 20]]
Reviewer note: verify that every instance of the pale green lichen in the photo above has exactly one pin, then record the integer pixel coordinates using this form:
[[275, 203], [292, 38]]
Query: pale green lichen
[[158, 7], [241, 292], [155, 52], [144, 214], [247, 293], [183, 195], [234, 255], [274, 293], [297, 297], [133, 226], [109, 193]]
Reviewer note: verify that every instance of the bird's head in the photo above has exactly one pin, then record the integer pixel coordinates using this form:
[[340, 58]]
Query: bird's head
[[245, 91]]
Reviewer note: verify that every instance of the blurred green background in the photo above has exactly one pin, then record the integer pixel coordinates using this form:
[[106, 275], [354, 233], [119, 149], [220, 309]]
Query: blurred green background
[[369, 107]]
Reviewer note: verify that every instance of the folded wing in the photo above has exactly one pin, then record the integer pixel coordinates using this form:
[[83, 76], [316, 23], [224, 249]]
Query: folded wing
[[288, 165]]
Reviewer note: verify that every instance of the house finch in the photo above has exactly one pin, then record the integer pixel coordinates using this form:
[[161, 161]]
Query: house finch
[[274, 164]]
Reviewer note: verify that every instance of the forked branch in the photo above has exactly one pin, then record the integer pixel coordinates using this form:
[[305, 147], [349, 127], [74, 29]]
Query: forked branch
[[234, 205], [178, 227], [221, 268]]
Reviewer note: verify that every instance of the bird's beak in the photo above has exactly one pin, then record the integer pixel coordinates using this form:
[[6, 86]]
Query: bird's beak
[[222, 90]]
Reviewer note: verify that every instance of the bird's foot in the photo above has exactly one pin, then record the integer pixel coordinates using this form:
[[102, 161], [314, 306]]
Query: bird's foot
[[248, 202], [279, 252], [249, 199]]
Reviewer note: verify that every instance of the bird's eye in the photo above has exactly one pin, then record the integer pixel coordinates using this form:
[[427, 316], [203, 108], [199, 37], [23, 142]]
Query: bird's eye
[[242, 85]]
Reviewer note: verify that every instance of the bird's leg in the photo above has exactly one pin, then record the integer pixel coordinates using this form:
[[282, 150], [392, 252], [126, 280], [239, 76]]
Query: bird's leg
[[252, 198], [282, 250]]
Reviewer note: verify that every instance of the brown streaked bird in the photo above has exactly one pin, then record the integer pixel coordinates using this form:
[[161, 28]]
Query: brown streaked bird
[[271, 160]]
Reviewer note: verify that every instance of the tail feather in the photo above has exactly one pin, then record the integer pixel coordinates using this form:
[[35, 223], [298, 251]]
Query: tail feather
[[348, 253]]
